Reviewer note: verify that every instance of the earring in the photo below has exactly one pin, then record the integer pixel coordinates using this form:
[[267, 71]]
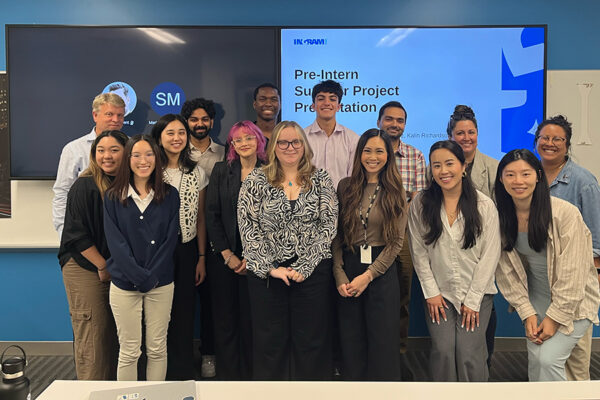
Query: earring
[[464, 174]]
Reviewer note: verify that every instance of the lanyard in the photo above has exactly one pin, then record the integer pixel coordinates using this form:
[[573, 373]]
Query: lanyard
[[365, 219]]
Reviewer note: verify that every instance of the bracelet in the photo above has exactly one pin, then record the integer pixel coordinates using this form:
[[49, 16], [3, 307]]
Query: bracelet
[[370, 275], [201, 255], [228, 258]]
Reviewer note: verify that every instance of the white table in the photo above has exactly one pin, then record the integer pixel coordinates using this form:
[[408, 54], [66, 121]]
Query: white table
[[79, 390]]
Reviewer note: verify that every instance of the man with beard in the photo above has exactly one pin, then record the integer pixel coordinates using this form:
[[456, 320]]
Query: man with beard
[[411, 165], [200, 116], [267, 105]]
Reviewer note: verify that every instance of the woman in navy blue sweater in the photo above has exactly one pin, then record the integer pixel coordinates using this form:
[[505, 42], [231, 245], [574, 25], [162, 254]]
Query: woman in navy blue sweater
[[141, 223]]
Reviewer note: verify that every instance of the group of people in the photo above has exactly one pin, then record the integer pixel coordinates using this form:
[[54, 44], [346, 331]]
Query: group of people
[[307, 239]]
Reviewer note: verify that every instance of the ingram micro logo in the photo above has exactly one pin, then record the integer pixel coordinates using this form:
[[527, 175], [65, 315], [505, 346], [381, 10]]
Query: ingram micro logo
[[311, 42]]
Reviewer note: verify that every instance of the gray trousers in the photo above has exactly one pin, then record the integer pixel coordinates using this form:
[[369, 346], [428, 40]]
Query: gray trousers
[[458, 355]]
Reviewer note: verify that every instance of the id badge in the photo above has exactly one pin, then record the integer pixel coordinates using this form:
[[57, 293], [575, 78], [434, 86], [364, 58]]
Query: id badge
[[365, 255]]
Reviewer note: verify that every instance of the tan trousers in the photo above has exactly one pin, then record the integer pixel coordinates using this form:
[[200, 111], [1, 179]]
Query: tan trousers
[[94, 331], [127, 306], [577, 366]]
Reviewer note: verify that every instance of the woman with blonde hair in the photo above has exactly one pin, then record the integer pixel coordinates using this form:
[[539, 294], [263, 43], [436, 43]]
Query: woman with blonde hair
[[287, 215]]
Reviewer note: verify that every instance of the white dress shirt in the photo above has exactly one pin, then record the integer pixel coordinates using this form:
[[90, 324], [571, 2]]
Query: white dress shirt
[[461, 276], [74, 159]]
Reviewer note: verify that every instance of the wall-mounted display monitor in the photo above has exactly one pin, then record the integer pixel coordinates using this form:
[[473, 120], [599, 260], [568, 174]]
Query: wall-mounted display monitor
[[55, 72], [498, 71]]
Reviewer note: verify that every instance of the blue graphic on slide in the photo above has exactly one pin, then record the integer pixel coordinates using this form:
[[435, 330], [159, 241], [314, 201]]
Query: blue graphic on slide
[[498, 71], [519, 123]]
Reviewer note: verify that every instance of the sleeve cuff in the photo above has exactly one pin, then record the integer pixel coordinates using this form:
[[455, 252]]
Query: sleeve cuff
[[558, 315], [473, 300], [149, 284], [525, 311]]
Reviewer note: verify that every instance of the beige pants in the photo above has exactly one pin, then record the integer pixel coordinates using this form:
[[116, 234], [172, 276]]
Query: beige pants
[[577, 366], [127, 306], [94, 331]]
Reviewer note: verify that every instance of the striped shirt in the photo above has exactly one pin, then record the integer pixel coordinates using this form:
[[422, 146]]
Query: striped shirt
[[571, 273], [411, 165]]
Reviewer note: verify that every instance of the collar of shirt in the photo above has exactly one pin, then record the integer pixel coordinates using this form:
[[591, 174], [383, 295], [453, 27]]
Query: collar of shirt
[[211, 147], [315, 128], [401, 151], [564, 174], [136, 197], [90, 137]]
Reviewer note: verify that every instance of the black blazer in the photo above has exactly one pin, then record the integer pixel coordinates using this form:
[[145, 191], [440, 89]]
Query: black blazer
[[221, 206]]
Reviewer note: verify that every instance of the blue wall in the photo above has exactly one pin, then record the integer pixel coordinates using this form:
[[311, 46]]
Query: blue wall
[[32, 301]]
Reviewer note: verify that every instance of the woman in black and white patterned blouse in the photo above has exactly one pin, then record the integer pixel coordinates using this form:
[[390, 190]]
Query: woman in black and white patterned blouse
[[287, 215]]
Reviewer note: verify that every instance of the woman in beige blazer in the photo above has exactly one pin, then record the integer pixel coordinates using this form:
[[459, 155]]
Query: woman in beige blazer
[[462, 128]]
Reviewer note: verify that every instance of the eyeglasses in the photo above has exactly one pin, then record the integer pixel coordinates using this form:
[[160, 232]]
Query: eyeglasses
[[554, 140], [285, 144], [245, 139], [138, 156]]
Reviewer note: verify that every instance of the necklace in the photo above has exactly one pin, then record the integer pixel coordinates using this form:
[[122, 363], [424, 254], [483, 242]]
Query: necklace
[[290, 183]]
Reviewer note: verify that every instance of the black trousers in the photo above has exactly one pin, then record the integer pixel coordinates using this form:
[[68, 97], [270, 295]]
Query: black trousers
[[369, 324], [232, 322], [180, 336], [292, 326], [207, 333]]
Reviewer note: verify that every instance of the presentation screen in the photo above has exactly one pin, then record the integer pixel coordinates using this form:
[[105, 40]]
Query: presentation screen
[[497, 71], [56, 71]]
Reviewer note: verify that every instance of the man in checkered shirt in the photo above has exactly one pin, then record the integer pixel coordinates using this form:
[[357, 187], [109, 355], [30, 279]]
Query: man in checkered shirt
[[411, 165]]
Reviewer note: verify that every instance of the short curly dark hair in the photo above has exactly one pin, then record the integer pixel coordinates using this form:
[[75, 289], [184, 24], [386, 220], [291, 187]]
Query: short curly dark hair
[[558, 120], [191, 105]]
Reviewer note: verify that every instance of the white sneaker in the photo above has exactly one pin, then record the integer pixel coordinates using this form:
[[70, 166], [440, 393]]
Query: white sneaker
[[208, 368]]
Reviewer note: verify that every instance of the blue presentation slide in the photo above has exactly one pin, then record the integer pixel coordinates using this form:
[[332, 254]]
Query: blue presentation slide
[[497, 71]]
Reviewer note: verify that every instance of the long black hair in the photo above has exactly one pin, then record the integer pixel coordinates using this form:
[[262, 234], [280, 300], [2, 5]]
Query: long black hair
[[124, 178], [392, 198], [540, 210], [185, 158], [432, 199]]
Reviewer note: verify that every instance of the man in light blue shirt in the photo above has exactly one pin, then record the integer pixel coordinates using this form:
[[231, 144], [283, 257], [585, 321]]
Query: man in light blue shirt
[[108, 112]]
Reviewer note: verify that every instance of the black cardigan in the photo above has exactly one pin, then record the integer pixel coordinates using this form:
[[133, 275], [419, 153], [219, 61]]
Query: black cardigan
[[83, 226], [221, 206]]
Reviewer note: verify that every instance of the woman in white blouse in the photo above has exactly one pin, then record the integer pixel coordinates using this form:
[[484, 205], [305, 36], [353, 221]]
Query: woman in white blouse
[[172, 135], [455, 246]]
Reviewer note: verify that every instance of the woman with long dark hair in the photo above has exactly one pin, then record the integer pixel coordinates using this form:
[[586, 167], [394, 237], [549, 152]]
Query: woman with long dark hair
[[287, 216], [546, 270], [172, 135], [455, 248], [82, 256], [141, 223], [229, 286], [371, 229]]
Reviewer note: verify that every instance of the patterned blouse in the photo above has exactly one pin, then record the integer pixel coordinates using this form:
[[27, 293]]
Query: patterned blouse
[[272, 232], [189, 186]]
